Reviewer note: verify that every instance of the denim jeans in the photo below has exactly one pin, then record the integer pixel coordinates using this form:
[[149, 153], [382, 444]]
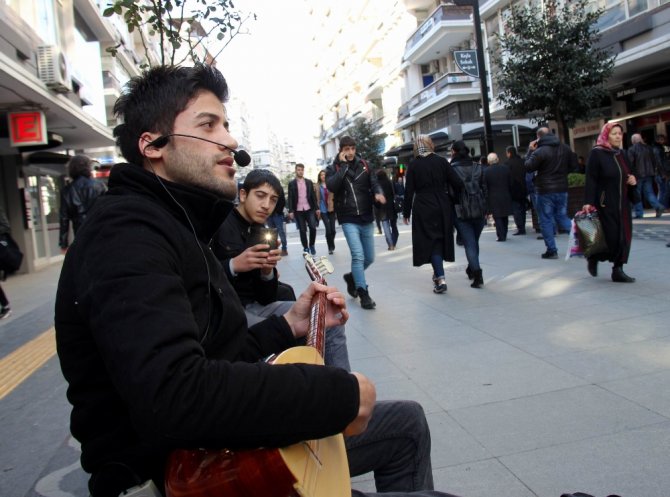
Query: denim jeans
[[336, 353], [553, 208], [328, 219], [436, 261], [645, 187], [303, 219], [360, 238], [519, 213], [396, 447], [277, 221], [470, 231], [390, 231], [662, 190]]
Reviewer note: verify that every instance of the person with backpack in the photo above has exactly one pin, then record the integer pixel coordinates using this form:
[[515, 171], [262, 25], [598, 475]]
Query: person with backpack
[[470, 208], [428, 179], [355, 188]]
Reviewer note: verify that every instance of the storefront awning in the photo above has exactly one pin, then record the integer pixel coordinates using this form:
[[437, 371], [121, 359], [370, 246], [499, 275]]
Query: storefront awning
[[496, 128], [440, 138]]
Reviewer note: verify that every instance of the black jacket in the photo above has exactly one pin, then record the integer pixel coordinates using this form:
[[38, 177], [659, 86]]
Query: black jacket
[[498, 183], [76, 199], [642, 160], [517, 173], [153, 341], [354, 185], [293, 195], [553, 161], [231, 241]]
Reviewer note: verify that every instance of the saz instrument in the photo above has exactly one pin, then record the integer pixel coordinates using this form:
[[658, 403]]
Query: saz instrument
[[314, 468]]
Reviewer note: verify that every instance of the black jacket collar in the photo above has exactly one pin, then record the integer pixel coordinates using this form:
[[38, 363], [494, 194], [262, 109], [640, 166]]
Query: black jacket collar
[[206, 210]]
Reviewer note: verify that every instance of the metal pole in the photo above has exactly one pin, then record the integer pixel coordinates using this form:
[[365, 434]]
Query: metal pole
[[488, 131]]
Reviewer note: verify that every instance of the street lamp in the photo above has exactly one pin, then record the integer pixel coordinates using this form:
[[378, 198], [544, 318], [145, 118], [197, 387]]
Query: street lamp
[[488, 131]]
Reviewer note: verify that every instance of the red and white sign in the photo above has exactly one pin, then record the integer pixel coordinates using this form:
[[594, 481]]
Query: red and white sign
[[27, 128]]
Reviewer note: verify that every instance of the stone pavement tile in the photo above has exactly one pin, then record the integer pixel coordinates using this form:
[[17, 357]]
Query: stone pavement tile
[[414, 335], [552, 418], [481, 372], [359, 346], [488, 478], [578, 335], [616, 362], [650, 391], [633, 463], [406, 389], [379, 369], [455, 445]]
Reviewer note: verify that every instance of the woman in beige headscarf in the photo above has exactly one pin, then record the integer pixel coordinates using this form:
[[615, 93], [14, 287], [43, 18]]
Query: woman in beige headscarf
[[427, 181]]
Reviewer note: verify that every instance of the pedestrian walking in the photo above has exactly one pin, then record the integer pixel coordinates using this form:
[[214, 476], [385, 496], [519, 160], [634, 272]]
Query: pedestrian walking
[[427, 201], [498, 185], [355, 187], [326, 211]]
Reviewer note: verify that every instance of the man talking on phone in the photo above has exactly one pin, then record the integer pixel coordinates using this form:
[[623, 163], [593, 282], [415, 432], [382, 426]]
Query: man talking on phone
[[349, 178]]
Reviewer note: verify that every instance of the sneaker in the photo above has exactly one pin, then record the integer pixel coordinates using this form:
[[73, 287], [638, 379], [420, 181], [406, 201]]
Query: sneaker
[[550, 254], [312, 250], [284, 253], [366, 300], [351, 285], [659, 211], [440, 286], [305, 250], [5, 312]]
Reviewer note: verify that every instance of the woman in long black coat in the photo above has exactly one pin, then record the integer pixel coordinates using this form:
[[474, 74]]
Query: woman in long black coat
[[610, 188], [426, 185]]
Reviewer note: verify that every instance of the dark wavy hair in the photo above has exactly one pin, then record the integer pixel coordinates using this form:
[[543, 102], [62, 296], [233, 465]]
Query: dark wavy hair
[[347, 141], [152, 101], [460, 149], [79, 165], [260, 177]]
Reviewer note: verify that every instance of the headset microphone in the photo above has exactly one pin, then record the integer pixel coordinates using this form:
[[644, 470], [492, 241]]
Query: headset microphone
[[242, 158]]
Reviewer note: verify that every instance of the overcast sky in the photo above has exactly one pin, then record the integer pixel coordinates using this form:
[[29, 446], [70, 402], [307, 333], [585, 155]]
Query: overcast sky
[[269, 70]]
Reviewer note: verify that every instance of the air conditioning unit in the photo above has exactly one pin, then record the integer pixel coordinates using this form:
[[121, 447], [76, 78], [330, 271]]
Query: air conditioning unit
[[53, 69]]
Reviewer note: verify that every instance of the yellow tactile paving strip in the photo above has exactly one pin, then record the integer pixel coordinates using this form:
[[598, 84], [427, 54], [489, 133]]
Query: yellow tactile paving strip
[[24, 361]]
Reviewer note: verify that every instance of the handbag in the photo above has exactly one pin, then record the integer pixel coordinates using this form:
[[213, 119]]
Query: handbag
[[10, 254], [591, 233]]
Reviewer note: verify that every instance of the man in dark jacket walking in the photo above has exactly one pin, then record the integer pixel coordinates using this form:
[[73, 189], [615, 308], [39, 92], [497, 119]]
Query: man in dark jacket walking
[[349, 178], [518, 190], [77, 198], [645, 167], [302, 207], [552, 161]]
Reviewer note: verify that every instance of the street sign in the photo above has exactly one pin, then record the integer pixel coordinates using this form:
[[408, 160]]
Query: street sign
[[27, 128], [466, 60]]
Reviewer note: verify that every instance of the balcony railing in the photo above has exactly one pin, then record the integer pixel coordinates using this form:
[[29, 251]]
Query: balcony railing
[[442, 13], [443, 85]]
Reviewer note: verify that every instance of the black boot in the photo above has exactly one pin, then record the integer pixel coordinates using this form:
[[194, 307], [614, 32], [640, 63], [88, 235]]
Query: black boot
[[619, 276], [469, 272], [592, 266], [478, 279], [351, 285], [366, 300]]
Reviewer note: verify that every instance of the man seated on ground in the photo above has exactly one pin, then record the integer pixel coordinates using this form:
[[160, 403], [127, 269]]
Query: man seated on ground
[[252, 269], [153, 340]]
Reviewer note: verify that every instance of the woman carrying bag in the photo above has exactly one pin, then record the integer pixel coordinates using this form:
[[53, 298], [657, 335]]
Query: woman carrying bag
[[610, 189]]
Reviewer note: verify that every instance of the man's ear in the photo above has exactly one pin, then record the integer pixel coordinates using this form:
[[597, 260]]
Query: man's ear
[[243, 195], [147, 149]]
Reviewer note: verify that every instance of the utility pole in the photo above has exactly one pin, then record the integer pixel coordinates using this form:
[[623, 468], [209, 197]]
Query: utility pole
[[488, 131]]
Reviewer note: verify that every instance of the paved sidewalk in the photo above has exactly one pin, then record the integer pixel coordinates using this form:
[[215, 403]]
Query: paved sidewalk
[[543, 382]]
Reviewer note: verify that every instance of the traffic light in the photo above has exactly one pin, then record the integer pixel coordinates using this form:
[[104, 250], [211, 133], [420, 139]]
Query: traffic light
[[401, 170]]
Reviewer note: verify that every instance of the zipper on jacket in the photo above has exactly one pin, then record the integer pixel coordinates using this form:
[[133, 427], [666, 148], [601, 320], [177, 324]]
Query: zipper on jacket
[[353, 193]]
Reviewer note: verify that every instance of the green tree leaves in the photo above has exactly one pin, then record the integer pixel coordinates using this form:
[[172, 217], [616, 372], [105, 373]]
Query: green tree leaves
[[369, 143], [548, 65]]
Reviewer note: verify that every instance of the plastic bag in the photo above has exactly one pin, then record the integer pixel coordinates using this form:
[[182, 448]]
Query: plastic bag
[[591, 233], [574, 243]]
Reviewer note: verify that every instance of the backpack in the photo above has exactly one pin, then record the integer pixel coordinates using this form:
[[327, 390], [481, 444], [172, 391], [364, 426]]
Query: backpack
[[470, 202], [10, 254]]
